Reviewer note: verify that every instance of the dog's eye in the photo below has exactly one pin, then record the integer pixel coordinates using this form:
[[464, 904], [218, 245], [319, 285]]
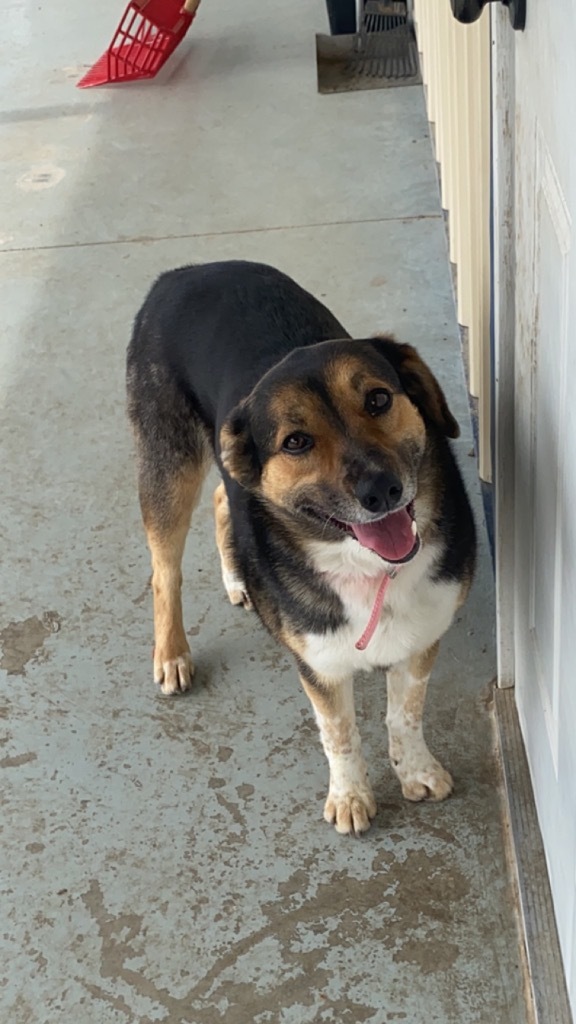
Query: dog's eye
[[377, 401], [297, 443]]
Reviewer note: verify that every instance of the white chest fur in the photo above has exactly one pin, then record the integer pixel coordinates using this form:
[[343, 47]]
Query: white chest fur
[[416, 610]]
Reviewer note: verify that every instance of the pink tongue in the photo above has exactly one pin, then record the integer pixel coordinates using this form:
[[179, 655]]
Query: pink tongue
[[391, 538]]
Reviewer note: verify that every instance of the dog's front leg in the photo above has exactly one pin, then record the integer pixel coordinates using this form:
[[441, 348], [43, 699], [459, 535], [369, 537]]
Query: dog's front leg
[[421, 776], [350, 804], [234, 585]]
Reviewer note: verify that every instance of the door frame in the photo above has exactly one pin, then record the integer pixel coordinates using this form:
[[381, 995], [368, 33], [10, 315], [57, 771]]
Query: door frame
[[503, 272]]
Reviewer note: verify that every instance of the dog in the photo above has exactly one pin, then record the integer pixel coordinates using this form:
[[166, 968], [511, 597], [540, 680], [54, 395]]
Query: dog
[[341, 518]]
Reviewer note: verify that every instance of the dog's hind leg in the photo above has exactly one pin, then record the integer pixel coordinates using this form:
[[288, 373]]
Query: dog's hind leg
[[421, 776], [166, 511], [233, 584], [174, 452]]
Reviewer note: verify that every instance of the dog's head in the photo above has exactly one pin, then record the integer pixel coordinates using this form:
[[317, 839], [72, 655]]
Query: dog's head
[[334, 436]]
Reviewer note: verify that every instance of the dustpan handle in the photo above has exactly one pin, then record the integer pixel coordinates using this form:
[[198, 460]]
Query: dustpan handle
[[191, 6]]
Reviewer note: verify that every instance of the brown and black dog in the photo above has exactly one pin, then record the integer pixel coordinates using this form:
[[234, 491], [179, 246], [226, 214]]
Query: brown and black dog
[[341, 516]]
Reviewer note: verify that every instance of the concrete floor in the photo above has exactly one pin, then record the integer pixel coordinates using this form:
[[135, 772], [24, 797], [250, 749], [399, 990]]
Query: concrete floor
[[166, 860]]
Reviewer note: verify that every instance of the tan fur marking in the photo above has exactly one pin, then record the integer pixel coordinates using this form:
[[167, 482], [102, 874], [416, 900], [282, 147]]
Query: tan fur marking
[[465, 589], [348, 381], [421, 665], [223, 528], [294, 642], [235, 447], [422, 386], [293, 410], [235, 587], [172, 664], [321, 697]]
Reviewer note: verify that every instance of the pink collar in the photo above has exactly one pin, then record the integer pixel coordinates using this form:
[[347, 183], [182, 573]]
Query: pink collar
[[368, 633]]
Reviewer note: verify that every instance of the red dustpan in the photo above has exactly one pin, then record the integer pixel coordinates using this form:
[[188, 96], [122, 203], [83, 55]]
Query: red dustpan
[[148, 33]]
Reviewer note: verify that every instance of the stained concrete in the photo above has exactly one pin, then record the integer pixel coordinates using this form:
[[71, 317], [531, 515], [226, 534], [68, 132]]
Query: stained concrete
[[166, 860]]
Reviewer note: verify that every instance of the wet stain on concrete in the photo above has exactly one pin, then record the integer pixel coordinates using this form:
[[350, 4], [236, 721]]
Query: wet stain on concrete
[[174, 728], [286, 961], [17, 760], [145, 595], [23, 642], [417, 952]]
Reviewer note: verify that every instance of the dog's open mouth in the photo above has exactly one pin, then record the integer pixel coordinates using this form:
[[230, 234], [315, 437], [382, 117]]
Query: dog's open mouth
[[395, 537]]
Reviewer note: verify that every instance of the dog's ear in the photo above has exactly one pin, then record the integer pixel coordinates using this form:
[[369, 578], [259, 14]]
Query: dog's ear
[[420, 384], [238, 451]]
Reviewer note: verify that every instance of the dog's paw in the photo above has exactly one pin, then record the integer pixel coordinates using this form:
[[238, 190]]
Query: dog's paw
[[350, 811], [236, 590], [429, 782], [173, 675]]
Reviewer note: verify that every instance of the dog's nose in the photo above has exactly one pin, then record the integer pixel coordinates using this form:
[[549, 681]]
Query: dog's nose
[[379, 492]]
